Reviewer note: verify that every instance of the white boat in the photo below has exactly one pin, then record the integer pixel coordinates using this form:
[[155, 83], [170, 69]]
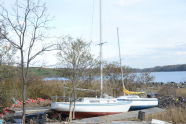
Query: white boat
[[92, 107], [139, 102]]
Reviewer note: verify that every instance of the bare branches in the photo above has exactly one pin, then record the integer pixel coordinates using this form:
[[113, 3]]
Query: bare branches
[[44, 49], [27, 24], [24, 30], [75, 54], [6, 53]]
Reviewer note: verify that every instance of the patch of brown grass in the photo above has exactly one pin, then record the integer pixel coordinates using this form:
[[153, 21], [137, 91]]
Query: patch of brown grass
[[167, 91], [44, 89], [181, 92], [36, 88], [172, 114], [8, 89]]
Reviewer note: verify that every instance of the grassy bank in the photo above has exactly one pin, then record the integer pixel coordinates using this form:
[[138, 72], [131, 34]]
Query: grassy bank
[[181, 92], [36, 88], [172, 114]]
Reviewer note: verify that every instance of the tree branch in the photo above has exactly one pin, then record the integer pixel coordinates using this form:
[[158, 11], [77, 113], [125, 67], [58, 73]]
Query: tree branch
[[48, 48]]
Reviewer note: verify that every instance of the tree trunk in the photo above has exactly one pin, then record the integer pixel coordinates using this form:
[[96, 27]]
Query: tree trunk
[[74, 102], [23, 87]]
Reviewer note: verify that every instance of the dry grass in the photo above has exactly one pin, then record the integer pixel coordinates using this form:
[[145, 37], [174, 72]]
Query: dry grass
[[36, 88], [172, 114], [167, 91], [181, 92]]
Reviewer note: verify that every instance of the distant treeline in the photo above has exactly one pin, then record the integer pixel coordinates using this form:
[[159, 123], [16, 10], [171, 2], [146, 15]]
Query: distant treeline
[[181, 67], [95, 71], [11, 71]]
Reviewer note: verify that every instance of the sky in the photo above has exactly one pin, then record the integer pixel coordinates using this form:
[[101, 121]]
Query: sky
[[152, 32]]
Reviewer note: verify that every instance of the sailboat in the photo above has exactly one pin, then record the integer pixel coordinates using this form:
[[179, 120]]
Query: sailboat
[[137, 102], [92, 106]]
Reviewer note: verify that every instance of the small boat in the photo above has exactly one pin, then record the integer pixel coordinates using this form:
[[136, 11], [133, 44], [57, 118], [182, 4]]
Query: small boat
[[139, 102], [92, 107]]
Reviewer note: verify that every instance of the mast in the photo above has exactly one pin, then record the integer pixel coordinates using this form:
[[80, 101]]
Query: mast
[[101, 66], [120, 59]]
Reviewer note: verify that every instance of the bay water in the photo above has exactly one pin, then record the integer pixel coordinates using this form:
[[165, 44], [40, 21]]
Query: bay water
[[176, 76]]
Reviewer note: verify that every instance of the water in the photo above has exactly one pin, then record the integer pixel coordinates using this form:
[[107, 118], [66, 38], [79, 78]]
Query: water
[[178, 76], [55, 78]]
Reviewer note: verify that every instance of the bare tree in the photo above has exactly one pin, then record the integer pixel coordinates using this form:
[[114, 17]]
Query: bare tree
[[113, 71], [145, 77], [7, 53], [25, 29], [76, 56]]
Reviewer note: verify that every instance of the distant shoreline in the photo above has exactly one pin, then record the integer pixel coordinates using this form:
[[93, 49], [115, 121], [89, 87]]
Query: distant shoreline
[[159, 77], [167, 68]]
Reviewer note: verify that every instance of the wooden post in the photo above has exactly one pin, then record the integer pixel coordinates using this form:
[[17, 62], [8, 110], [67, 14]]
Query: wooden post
[[64, 94], [56, 98], [31, 121], [141, 115]]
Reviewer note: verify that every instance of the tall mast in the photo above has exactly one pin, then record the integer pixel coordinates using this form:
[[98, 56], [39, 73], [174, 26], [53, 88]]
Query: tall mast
[[120, 59], [101, 66]]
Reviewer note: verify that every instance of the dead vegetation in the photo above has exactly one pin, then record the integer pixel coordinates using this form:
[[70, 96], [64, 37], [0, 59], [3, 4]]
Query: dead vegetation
[[36, 88], [172, 114], [181, 92]]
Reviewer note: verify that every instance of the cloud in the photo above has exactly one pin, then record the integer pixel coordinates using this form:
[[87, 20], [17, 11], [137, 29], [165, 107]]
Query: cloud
[[181, 53], [128, 2]]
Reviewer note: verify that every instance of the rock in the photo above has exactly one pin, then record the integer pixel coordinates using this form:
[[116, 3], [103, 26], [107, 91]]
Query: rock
[[154, 121]]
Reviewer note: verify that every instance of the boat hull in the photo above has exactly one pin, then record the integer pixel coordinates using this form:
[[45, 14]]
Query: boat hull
[[91, 110], [141, 103], [133, 108], [137, 105], [79, 115]]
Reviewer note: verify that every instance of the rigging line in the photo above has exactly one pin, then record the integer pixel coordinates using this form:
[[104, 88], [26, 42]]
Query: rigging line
[[119, 50], [92, 19]]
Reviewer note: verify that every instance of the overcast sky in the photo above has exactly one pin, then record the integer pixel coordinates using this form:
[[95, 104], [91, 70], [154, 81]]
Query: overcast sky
[[152, 32]]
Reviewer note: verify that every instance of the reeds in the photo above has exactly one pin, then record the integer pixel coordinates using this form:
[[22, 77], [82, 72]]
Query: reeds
[[36, 88], [181, 92], [172, 114]]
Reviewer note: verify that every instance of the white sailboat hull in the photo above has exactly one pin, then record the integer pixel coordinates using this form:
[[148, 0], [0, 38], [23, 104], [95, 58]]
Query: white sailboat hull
[[139, 103], [62, 106], [83, 109]]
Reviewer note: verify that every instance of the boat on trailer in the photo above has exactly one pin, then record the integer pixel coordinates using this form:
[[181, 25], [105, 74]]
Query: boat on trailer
[[92, 107]]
